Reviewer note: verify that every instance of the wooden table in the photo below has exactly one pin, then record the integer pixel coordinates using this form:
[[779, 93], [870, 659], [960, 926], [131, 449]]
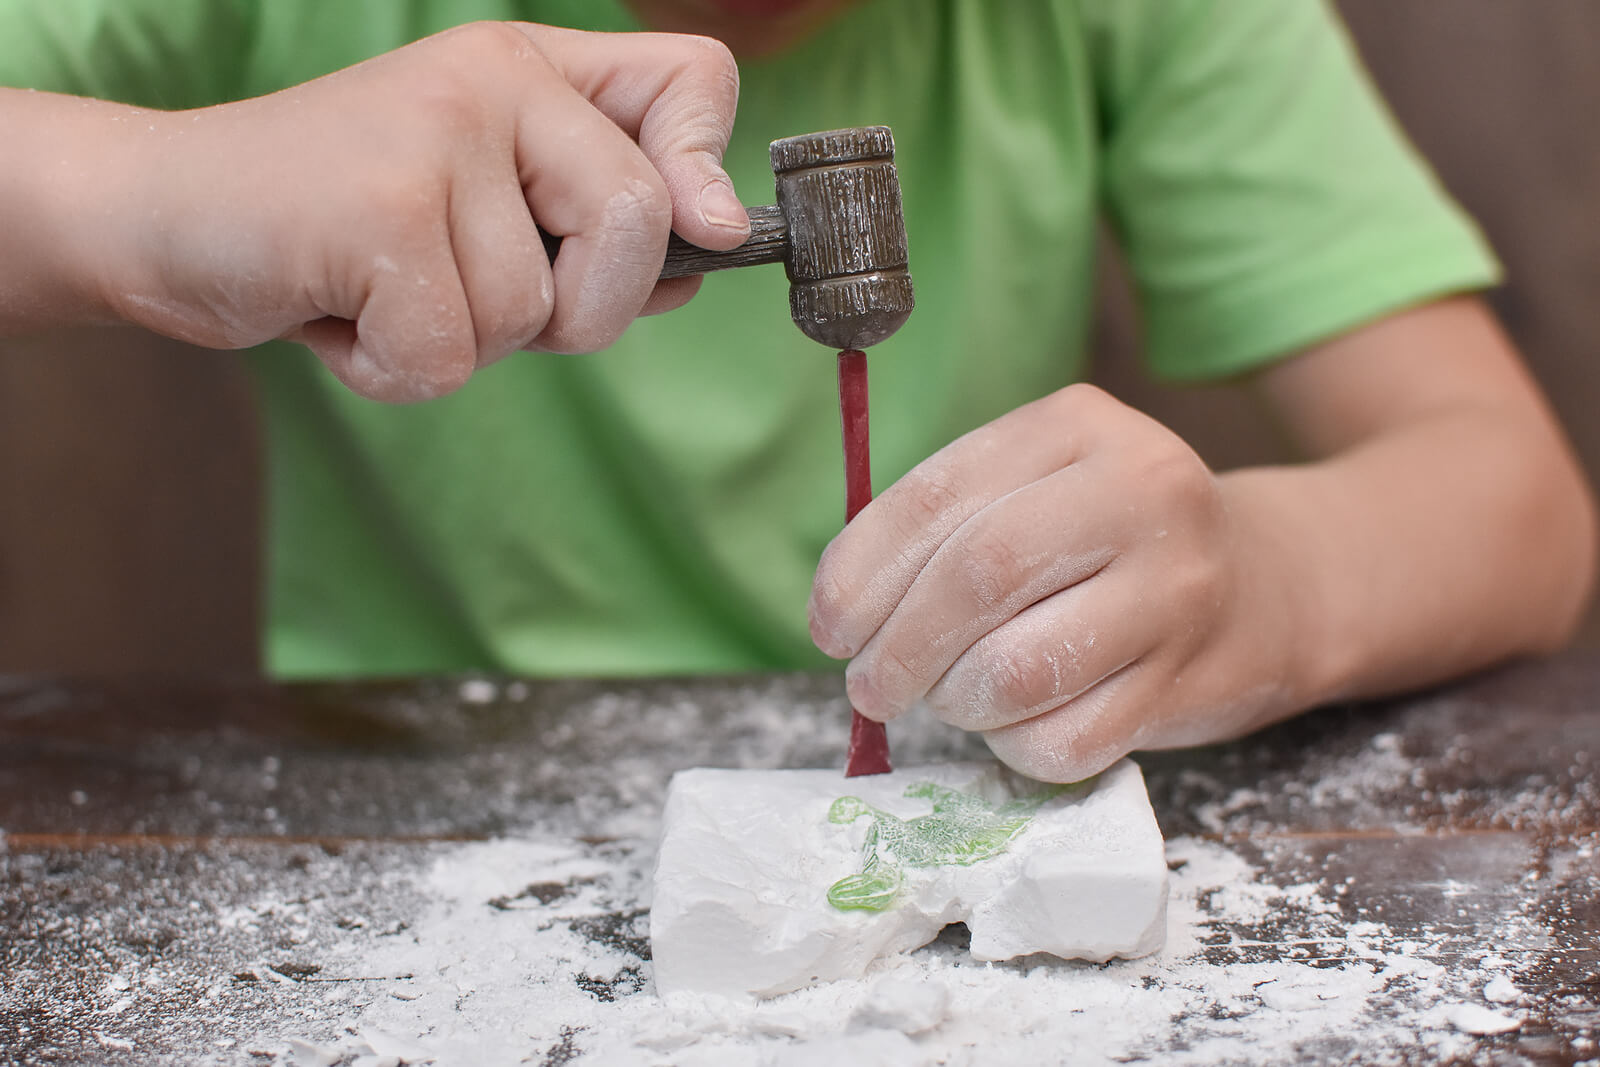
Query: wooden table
[[134, 812]]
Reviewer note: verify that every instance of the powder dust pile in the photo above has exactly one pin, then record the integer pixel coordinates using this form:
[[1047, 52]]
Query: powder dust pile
[[1342, 941], [531, 951]]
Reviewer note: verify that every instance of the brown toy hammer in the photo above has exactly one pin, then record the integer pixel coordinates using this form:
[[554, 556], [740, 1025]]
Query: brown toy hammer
[[838, 229]]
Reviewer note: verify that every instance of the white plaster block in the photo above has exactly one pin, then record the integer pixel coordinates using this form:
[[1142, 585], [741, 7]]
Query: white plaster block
[[748, 857]]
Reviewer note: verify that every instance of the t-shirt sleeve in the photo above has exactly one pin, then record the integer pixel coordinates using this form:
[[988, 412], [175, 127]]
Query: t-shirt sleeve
[[1262, 193], [155, 53]]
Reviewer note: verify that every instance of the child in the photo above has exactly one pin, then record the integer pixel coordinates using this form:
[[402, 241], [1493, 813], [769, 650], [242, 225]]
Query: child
[[1048, 565]]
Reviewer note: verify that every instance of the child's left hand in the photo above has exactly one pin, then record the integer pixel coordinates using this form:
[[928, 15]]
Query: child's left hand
[[1069, 579], [1074, 582]]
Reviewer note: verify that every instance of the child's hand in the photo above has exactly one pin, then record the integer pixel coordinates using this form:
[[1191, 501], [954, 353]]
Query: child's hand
[[385, 214], [1068, 579], [1073, 581]]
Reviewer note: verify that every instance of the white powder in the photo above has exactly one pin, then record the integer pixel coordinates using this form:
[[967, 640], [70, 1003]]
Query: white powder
[[528, 950], [1501, 990], [1348, 783], [1474, 1019]]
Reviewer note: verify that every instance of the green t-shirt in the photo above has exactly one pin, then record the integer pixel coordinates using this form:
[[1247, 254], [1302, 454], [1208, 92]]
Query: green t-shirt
[[660, 507]]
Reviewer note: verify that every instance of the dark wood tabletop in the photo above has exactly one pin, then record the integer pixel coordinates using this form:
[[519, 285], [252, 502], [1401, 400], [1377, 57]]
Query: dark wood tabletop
[[1450, 813]]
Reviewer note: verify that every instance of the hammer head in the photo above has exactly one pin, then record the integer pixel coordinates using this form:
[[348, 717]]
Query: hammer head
[[848, 283]]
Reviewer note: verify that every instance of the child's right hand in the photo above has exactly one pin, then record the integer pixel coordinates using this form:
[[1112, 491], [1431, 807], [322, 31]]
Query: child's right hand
[[385, 214]]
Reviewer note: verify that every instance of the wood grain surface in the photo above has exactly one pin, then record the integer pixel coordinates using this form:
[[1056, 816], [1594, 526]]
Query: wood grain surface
[[136, 813]]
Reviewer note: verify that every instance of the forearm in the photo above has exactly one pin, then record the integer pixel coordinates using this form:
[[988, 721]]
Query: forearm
[[1425, 545], [63, 208]]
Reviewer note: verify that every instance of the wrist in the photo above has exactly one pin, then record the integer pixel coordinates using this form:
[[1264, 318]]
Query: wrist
[[125, 239], [1285, 606]]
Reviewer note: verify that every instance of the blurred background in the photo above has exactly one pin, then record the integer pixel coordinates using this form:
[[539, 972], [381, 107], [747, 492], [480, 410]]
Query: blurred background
[[130, 466]]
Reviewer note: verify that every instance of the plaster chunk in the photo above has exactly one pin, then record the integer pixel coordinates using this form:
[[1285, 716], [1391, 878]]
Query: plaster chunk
[[769, 881]]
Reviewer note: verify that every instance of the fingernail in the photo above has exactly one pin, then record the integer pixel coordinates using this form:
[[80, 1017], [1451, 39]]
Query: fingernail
[[719, 207]]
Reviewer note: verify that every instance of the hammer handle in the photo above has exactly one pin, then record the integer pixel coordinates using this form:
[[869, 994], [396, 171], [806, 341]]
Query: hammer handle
[[768, 243]]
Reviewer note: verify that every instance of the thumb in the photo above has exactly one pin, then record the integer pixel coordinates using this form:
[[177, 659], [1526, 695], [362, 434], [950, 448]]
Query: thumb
[[676, 96]]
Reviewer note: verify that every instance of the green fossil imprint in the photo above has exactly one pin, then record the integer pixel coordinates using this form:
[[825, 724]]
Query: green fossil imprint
[[963, 829]]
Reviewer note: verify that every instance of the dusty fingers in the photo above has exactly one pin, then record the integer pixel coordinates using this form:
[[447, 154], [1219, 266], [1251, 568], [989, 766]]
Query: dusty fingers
[[388, 214], [1076, 564]]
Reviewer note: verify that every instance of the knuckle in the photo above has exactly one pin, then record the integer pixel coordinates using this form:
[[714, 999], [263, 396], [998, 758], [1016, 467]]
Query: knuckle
[[899, 668], [1177, 475], [718, 58], [711, 60], [1020, 678], [488, 41], [1091, 413], [992, 568], [1081, 400], [928, 494], [1051, 748], [723, 73], [883, 678], [1195, 588], [640, 208], [1082, 736], [992, 686], [455, 97]]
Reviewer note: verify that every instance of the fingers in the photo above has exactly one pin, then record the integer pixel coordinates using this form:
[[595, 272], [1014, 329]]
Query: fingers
[[685, 133], [586, 181], [1047, 655], [501, 259], [870, 566], [410, 252], [1084, 736], [1017, 551], [676, 96], [1041, 580], [412, 339]]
